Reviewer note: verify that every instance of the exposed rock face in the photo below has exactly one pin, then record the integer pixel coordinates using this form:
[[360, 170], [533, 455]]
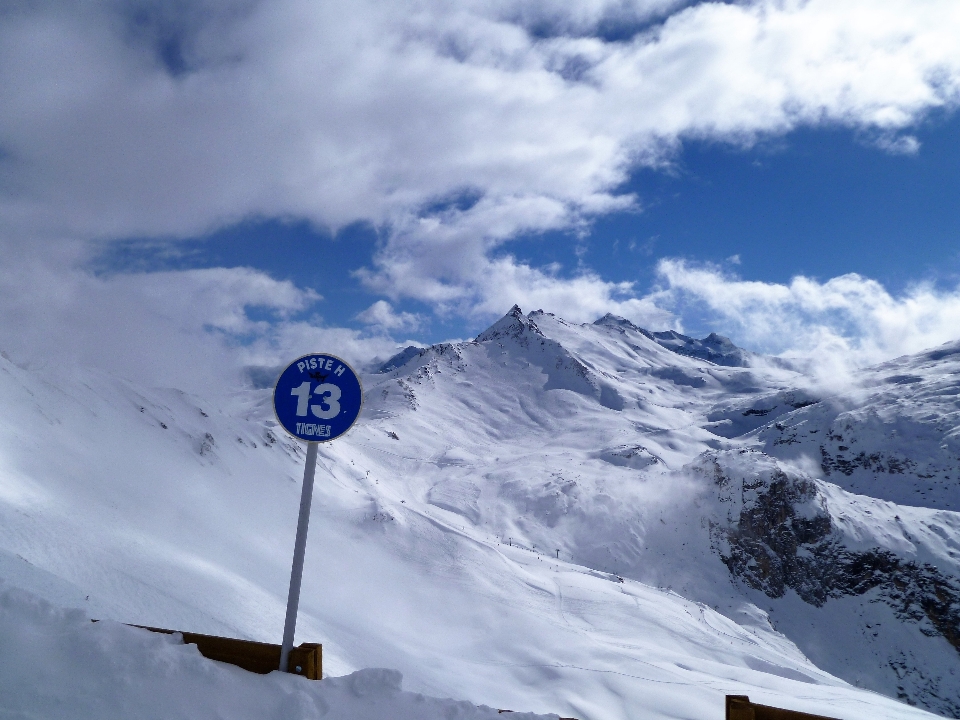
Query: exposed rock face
[[773, 547], [778, 532]]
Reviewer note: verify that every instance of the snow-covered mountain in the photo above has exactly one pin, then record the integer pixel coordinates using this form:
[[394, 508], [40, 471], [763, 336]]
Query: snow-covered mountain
[[593, 520]]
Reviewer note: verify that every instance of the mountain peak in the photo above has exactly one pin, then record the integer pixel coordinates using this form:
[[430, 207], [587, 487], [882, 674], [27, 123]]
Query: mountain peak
[[514, 324], [615, 321]]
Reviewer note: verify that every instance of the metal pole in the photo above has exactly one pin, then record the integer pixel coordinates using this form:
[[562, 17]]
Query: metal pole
[[299, 549]]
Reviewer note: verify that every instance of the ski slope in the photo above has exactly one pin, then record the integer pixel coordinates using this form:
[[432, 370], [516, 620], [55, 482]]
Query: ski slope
[[550, 519]]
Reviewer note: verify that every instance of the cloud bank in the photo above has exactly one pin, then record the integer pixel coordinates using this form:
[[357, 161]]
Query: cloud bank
[[142, 118], [452, 128], [195, 329], [845, 322]]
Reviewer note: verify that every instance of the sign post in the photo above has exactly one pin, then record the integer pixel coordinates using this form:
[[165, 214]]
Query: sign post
[[317, 398]]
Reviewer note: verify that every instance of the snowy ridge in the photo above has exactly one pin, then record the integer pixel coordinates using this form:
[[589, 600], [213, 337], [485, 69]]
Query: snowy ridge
[[895, 436], [400, 359], [553, 517], [714, 348]]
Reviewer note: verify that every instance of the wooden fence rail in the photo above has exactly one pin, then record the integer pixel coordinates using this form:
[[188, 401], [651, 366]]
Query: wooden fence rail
[[306, 659], [739, 707]]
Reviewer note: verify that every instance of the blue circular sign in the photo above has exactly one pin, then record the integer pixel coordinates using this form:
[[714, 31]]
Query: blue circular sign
[[317, 398]]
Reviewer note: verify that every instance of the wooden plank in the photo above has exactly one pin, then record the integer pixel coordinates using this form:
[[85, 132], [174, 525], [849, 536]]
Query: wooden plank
[[305, 660], [739, 707], [309, 658]]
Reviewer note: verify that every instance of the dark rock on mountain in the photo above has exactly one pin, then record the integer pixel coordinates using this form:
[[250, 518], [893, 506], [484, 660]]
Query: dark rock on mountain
[[780, 535]]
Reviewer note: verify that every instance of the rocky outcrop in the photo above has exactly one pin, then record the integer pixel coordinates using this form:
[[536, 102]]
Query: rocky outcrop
[[776, 531], [784, 537]]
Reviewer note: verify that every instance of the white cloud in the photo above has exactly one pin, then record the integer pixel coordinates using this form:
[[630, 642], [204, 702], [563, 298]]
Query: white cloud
[[292, 339], [899, 144], [187, 329], [141, 119], [125, 119], [845, 322], [215, 298], [448, 262], [382, 315]]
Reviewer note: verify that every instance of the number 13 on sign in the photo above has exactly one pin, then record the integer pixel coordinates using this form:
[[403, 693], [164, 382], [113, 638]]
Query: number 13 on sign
[[327, 393]]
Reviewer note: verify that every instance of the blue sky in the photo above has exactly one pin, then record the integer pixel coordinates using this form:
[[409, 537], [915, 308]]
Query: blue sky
[[818, 202], [248, 180]]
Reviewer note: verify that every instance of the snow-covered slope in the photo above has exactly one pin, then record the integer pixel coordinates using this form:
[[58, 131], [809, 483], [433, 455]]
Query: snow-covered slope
[[718, 349], [868, 589], [555, 517], [896, 435]]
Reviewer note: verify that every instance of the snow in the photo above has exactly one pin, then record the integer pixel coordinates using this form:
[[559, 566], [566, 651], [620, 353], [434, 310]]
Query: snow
[[895, 435], [56, 663], [514, 522]]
